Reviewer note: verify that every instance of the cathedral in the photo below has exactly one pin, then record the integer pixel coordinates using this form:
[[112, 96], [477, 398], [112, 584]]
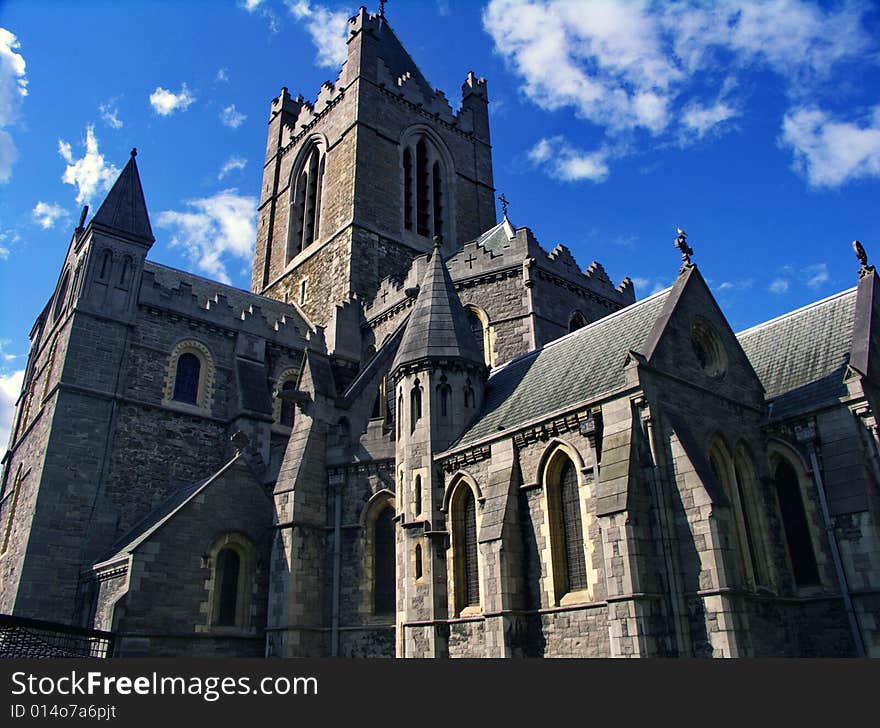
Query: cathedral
[[422, 434]]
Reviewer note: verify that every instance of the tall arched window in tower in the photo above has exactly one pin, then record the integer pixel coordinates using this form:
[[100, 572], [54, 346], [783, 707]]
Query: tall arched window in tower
[[228, 574], [306, 185], [383, 562], [232, 556], [426, 175], [794, 522], [464, 547]]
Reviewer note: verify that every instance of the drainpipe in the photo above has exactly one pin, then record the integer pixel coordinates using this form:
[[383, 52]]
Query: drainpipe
[[660, 504], [807, 436], [337, 568]]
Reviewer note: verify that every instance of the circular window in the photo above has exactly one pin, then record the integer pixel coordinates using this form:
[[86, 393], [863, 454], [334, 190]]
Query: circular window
[[708, 348]]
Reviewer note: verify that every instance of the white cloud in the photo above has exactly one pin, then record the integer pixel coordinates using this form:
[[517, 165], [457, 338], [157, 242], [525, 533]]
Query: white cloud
[[637, 67], [328, 30], [232, 117], [110, 115], [230, 165], [13, 88], [165, 102], [10, 387], [779, 286], [90, 174], [731, 286], [46, 214], [568, 163], [7, 239], [831, 152], [816, 275], [222, 75], [214, 230], [702, 119], [251, 5]]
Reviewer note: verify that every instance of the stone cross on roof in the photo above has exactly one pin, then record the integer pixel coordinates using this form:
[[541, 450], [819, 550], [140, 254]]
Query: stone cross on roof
[[504, 204]]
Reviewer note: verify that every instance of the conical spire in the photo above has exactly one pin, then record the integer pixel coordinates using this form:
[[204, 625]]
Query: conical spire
[[438, 327], [124, 209]]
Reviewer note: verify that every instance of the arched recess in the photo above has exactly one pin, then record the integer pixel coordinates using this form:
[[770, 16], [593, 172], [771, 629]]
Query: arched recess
[[284, 410], [427, 185], [464, 526], [232, 560], [380, 570], [753, 514], [576, 321], [744, 526], [203, 389], [305, 196], [570, 578], [482, 331], [790, 482]]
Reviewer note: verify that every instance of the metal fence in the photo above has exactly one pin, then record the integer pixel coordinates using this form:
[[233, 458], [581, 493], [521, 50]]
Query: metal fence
[[33, 638]]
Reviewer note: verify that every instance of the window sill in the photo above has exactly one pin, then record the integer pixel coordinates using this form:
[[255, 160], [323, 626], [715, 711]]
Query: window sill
[[190, 409], [473, 610], [582, 596]]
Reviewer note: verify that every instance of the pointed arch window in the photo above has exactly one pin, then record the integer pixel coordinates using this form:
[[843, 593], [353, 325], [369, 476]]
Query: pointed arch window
[[566, 526], [426, 177], [465, 551], [288, 408], [400, 415], [62, 295], [417, 494], [106, 265], [306, 190], [794, 522], [228, 575], [479, 323], [443, 392], [469, 395], [577, 321], [12, 500], [419, 566], [415, 405], [384, 572]]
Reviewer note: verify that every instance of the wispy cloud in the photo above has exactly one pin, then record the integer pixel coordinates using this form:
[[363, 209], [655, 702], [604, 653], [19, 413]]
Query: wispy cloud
[[779, 286], [7, 239], [636, 70], [10, 387], [46, 214], [566, 162], [90, 173], [251, 5], [222, 75], [232, 117], [327, 28], [165, 102], [815, 276], [230, 165], [830, 152], [110, 115], [13, 88], [214, 231]]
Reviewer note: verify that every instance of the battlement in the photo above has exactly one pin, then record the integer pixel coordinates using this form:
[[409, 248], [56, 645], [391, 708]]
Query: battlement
[[213, 303], [394, 290]]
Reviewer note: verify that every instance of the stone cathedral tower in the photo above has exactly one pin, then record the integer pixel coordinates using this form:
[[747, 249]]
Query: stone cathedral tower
[[358, 183]]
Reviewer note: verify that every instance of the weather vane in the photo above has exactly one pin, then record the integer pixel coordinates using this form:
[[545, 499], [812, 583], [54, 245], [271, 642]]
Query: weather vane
[[686, 250], [504, 204]]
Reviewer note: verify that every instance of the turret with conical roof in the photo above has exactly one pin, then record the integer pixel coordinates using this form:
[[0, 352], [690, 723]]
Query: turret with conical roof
[[124, 210], [438, 376]]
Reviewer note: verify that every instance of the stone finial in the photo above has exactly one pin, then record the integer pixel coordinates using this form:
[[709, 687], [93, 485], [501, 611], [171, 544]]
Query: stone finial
[[82, 217], [686, 250], [240, 441], [134, 151], [859, 250], [438, 241], [382, 8]]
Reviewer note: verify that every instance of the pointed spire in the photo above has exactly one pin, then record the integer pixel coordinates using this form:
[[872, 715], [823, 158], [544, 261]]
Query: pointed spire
[[124, 209], [438, 327]]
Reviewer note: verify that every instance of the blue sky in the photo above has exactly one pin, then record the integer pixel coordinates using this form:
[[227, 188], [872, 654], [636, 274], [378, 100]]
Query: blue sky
[[753, 125]]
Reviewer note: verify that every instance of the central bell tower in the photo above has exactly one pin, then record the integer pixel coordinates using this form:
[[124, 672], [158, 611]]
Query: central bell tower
[[358, 183]]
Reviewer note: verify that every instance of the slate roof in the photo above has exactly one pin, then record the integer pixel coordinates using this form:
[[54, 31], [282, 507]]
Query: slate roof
[[495, 239], [801, 357], [577, 367], [438, 327], [124, 208]]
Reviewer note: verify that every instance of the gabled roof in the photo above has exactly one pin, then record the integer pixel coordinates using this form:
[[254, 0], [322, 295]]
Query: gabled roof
[[801, 357], [160, 515], [438, 327], [497, 237], [580, 366], [124, 209]]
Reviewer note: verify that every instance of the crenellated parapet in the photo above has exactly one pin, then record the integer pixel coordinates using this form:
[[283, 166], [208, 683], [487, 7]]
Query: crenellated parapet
[[185, 295]]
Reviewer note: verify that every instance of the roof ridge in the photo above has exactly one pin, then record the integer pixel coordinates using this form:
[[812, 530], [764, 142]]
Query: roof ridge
[[797, 311], [592, 325]]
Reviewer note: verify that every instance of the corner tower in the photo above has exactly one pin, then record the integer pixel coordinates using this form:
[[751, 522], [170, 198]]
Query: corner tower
[[356, 184]]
